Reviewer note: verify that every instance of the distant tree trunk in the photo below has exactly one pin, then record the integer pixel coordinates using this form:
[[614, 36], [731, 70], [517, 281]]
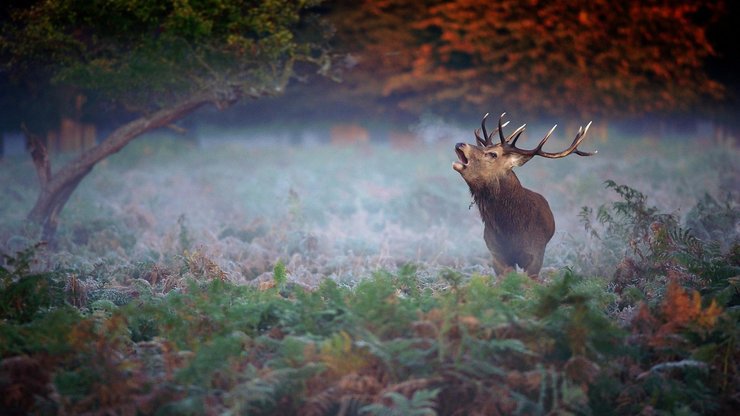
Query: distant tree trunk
[[344, 134], [56, 188], [71, 134], [404, 140], [75, 135]]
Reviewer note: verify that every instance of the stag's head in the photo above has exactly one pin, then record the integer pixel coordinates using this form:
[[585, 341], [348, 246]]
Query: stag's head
[[485, 162]]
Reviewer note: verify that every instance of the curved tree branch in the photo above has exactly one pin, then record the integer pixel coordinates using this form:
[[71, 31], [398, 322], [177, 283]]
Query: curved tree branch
[[56, 188]]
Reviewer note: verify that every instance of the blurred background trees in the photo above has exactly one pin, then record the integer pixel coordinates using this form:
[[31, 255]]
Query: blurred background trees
[[598, 59], [581, 58], [400, 59]]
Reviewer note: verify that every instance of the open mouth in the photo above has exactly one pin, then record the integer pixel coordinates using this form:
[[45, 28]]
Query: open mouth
[[461, 155], [460, 165]]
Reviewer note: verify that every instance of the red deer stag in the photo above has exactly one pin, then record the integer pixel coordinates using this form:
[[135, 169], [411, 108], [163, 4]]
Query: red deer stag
[[518, 222]]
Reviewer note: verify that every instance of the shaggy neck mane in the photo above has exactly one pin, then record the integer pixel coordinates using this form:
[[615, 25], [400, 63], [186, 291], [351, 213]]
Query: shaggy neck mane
[[497, 197]]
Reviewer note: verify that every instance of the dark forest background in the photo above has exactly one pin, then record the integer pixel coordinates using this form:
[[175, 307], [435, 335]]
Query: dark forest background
[[649, 69]]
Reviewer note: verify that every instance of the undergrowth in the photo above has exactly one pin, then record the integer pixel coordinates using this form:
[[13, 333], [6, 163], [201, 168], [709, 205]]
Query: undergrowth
[[183, 339], [643, 249]]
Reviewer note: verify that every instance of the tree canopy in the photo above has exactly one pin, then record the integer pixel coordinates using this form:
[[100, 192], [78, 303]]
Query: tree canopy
[[145, 55], [580, 57]]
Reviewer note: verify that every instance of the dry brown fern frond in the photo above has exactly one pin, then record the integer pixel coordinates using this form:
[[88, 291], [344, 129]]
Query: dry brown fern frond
[[76, 291], [408, 387], [23, 380], [319, 404], [202, 266], [333, 401], [465, 394], [350, 405], [352, 391], [360, 384]]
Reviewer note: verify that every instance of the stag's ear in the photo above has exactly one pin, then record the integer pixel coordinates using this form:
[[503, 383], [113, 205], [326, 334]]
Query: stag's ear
[[516, 159]]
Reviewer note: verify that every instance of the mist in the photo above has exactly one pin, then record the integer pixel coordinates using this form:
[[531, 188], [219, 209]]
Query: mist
[[251, 207], [246, 198]]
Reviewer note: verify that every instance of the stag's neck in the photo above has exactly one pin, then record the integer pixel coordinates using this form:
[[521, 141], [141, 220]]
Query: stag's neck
[[499, 197]]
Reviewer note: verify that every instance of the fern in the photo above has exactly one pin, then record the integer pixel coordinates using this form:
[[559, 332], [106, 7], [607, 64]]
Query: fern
[[390, 345], [422, 403], [256, 391], [572, 310], [714, 219], [584, 216], [643, 248], [24, 293], [183, 237], [280, 276]]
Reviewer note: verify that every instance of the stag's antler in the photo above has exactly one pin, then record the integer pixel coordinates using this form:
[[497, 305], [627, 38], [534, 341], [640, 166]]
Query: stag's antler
[[487, 141], [573, 148], [510, 142], [500, 129]]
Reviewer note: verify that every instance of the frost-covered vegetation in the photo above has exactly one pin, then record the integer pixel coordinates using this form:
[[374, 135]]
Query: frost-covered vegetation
[[278, 279]]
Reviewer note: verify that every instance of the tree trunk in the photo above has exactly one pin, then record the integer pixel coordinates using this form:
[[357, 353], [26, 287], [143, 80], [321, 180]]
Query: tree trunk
[[57, 188]]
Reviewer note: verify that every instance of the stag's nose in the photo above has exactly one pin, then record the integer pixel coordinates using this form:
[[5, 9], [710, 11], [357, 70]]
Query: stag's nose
[[459, 146]]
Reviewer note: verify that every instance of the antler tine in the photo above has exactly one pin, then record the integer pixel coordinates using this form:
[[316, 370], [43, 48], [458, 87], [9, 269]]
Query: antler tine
[[537, 150], [478, 138], [515, 135], [486, 140], [580, 139], [573, 148], [490, 136], [486, 136], [501, 129]]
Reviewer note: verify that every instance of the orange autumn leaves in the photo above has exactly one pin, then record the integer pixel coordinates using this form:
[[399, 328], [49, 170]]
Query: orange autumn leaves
[[573, 57], [683, 309], [680, 311]]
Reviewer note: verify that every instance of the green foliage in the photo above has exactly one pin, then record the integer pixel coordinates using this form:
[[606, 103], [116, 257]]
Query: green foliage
[[47, 333], [714, 220], [24, 293], [674, 285], [647, 248], [420, 404], [146, 54], [184, 238], [280, 276], [574, 307]]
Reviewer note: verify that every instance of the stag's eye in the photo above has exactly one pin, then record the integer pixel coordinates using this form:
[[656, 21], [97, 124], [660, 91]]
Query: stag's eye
[[492, 155]]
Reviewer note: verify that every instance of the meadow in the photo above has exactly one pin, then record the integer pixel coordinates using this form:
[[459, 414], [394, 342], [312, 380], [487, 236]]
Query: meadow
[[257, 277]]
